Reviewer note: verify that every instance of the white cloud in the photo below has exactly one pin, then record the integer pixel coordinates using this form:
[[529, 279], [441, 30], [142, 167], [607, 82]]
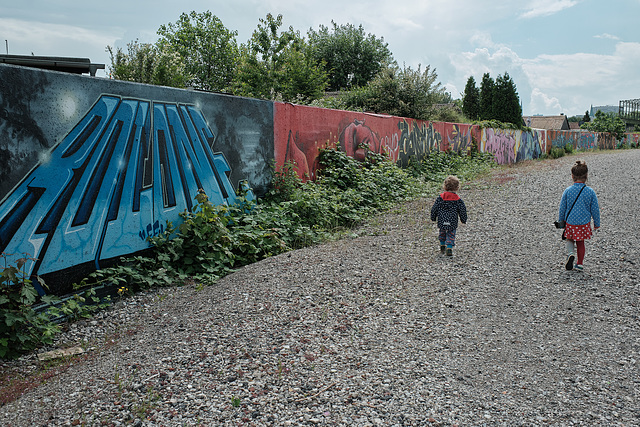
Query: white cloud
[[481, 39], [607, 36], [539, 8], [540, 101], [51, 39], [550, 84]]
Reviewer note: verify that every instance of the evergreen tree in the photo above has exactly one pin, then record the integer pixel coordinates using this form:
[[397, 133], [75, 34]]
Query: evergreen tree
[[506, 103], [586, 118], [486, 97], [471, 100]]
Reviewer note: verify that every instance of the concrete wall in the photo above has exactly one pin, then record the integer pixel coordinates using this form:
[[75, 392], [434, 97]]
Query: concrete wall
[[90, 167], [581, 139], [631, 138], [300, 131]]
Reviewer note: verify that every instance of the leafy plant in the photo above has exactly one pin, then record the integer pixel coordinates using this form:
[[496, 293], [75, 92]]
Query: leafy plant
[[21, 328], [351, 56], [556, 152], [206, 48], [400, 92], [609, 122], [439, 164]]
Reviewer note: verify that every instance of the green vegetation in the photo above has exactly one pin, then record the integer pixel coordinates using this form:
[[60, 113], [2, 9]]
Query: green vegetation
[[496, 101], [212, 241], [275, 65], [351, 57], [205, 46], [148, 63], [400, 92], [557, 152], [610, 122], [438, 165], [471, 100], [198, 51], [21, 328]]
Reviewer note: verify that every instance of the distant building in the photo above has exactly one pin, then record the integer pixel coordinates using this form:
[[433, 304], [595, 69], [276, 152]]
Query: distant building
[[629, 112], [605, 109], [547, 122], [574, 125]]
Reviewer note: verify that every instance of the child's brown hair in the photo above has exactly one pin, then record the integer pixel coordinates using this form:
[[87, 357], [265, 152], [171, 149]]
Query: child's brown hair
[[579, 171], [451, 183]]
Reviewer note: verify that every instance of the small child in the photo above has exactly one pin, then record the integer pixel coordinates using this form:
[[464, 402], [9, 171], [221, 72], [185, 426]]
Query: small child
[[581, 206], [447, 208]]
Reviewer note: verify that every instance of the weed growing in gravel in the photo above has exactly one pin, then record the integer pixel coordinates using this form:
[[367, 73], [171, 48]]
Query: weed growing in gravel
[[235, 401]]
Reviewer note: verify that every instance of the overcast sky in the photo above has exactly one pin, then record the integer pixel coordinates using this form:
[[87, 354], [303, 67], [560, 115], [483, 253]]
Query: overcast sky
[[563, 55]]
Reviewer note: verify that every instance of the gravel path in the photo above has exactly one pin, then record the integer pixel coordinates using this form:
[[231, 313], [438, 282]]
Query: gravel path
[[380, 329]]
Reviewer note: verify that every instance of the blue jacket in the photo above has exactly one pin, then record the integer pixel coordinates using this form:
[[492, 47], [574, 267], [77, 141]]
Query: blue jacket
[[585, 208]]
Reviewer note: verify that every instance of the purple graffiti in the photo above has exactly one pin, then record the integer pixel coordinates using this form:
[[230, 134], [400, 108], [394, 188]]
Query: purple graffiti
[[501, 144]]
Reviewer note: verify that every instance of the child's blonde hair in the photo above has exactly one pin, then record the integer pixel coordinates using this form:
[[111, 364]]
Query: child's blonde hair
[[451, 183]]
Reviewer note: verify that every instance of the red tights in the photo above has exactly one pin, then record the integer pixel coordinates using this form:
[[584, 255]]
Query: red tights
[[581, 250]]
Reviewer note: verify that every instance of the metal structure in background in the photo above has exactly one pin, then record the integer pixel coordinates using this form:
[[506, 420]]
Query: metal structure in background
[[629, 112], [54, 63]]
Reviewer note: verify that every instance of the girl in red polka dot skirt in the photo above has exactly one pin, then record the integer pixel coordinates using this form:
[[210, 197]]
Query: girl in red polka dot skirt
[[578, 222]]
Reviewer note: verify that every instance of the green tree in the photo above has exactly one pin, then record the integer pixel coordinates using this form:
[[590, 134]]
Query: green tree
[[609, 122], [278, 65], [147, 63], [586, 118], [486, 97], [400, 92], [471, 100], [506, 102], [352, 57], [209, 50]]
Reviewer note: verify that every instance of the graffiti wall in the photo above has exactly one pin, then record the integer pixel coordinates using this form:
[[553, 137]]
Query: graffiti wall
[[631, 139], [510, 146], [581, 139], [301, 131], [92, 167]]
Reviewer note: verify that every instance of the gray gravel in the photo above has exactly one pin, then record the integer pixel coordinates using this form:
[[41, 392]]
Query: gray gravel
[[380, 329]]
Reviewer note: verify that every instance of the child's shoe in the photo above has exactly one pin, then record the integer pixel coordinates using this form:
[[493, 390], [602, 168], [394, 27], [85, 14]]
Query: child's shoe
[[569, 265], [442, 249], [449, 252], [578, 267]]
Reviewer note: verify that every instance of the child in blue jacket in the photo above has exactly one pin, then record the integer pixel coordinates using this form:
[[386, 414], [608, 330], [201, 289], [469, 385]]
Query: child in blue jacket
[[447, 208], [578, 223]]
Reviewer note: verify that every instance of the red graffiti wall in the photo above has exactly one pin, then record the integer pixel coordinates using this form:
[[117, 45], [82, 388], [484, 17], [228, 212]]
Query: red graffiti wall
[[301, 131]]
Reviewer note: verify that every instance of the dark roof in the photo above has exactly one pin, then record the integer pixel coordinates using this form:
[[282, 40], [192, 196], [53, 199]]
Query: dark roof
[[547, 122], [55, 63]]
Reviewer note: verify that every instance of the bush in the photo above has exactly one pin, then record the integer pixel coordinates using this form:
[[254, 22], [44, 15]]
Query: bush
[[556, 152], [21, 328], [436, 166], [568, 148]]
